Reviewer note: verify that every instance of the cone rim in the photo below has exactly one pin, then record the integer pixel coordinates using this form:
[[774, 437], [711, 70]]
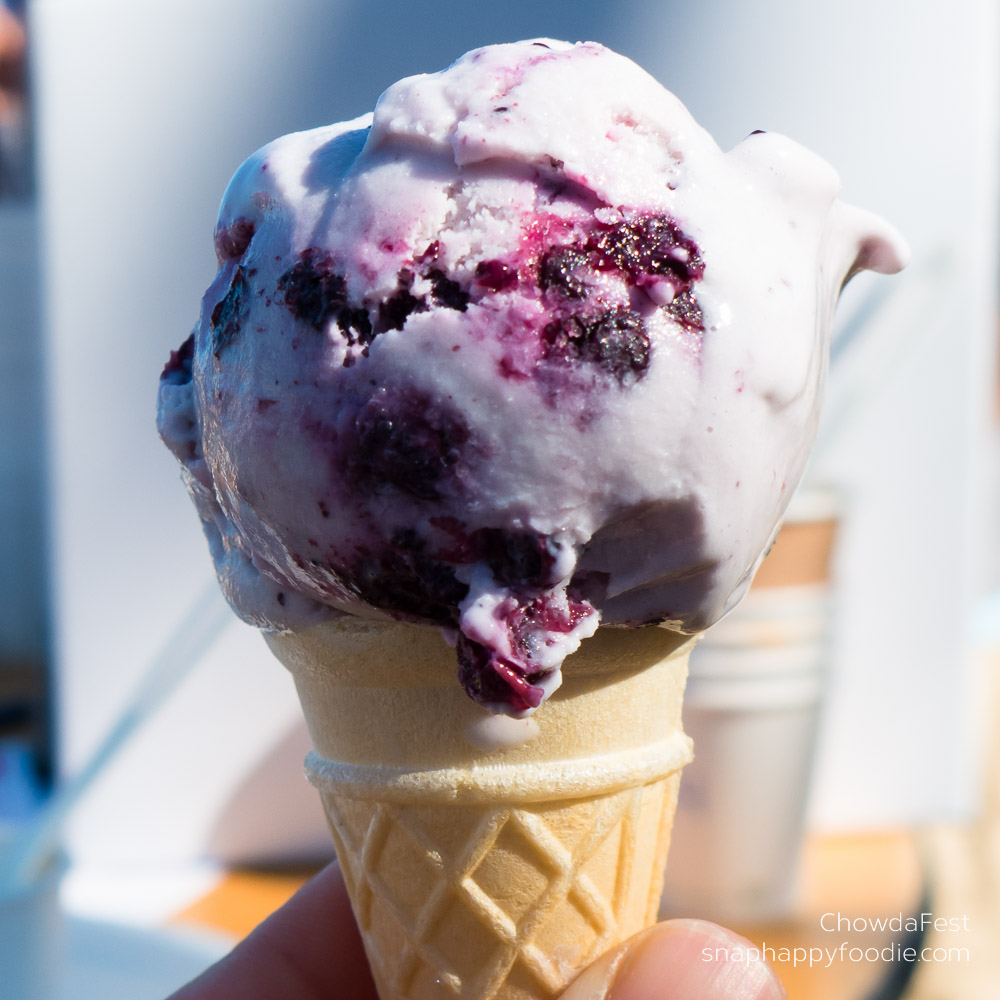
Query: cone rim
[[523, 782]]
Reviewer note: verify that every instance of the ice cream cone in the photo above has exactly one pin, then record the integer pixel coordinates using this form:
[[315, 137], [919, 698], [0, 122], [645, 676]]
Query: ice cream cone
[[488, 857]]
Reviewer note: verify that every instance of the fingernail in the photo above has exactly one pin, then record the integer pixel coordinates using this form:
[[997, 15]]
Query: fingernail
[[594, 983], [680, 960], [694, 960]]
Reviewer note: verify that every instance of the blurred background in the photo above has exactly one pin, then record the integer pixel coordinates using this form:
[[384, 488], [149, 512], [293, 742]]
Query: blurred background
[[120, 124]]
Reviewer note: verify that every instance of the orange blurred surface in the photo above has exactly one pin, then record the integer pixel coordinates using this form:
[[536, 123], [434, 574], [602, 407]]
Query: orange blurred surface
[[242, 899]]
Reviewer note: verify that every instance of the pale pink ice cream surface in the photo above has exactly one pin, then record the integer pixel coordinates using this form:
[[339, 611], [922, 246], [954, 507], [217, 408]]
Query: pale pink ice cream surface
[[522, 354]]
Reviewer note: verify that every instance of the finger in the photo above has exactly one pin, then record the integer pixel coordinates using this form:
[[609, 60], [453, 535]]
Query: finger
[[310, 949], [680, 960]]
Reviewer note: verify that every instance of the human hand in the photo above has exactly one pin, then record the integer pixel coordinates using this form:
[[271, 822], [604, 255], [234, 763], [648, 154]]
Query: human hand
[[310, 949]]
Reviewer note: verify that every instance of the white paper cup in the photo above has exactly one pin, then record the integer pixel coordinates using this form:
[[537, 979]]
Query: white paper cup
[[752, 707]]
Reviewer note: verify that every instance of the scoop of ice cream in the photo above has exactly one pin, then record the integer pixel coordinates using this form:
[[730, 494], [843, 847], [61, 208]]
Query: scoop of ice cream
[[520, 354]]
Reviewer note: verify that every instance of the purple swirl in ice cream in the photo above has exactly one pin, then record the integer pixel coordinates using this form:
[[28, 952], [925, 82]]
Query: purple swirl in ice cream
[[520, 354]]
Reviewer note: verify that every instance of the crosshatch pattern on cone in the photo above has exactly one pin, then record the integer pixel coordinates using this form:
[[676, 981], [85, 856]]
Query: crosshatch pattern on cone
[[529, 879]]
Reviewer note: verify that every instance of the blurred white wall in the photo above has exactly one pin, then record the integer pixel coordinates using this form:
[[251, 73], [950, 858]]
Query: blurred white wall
[[145, 109]]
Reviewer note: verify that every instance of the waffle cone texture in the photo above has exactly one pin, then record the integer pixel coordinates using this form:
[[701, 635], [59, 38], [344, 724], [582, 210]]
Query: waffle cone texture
[[489, 858]]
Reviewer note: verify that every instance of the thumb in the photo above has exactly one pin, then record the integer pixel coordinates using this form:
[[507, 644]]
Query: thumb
[[680, 960]]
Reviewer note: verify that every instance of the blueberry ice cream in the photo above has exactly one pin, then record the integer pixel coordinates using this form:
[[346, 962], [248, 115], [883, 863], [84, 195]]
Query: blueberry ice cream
[[521, 354]]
